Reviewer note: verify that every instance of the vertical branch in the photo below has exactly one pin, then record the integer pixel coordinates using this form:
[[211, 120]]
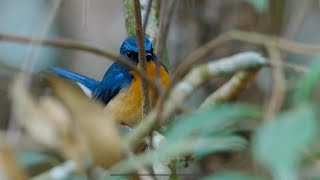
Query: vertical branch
[[149, 10], [142, 57], [146, 16], [165, 17], [279, 84], [128, 14], [166, 13]]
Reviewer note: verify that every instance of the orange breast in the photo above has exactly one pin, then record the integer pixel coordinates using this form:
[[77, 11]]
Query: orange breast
[[126, 107]]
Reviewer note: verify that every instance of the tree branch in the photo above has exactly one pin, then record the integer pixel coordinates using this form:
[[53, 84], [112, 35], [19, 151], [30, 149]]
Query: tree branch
[[142, 57], [165, 19], [76, 45], [146, 16], [231, 89], [279, 84]]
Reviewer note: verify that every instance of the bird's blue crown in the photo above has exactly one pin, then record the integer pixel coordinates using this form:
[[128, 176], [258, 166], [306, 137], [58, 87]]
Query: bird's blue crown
[[131, 44]]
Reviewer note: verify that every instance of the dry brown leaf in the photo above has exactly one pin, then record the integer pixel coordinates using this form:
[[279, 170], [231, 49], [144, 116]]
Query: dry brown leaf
[[67, 120], [99, 129]]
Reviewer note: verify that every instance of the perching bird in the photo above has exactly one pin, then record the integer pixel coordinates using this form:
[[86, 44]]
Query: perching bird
[[120, 89]]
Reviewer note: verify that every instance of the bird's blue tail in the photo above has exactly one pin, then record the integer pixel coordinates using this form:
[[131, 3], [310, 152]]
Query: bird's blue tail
[[90, 83]]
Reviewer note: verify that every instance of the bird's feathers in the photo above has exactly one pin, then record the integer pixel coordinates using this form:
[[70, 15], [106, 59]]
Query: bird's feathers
[[116, 78], [90, 83], [120, 88], [130, 44]]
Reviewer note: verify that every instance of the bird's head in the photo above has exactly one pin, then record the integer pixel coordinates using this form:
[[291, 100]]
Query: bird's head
[[129, 49]]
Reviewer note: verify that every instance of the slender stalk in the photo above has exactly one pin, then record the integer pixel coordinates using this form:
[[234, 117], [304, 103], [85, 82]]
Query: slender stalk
[[166, 14], [76, 45], [142, 57], [279, 84], [146, 16]]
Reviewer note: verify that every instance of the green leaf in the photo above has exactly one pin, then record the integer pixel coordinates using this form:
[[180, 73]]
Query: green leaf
[[210, 120], [189, 135], [259, 5], [232, 175], [231, 142], [307, 83], [278, 145]]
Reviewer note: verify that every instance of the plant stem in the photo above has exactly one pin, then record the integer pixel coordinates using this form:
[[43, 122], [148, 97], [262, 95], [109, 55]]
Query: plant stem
[[142, 57]]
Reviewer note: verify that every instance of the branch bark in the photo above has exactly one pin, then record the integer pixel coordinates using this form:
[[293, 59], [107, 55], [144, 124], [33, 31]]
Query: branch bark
[[142, 57], [76, 45]]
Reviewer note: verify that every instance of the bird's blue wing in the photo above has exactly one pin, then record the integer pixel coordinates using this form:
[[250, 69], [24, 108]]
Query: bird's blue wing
[[90, 83], [116, 78]]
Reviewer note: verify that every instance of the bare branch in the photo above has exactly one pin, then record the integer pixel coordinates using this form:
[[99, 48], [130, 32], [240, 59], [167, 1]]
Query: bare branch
[[231, 89], [146, 16], [76, 45], [279, 84], [142, 57]]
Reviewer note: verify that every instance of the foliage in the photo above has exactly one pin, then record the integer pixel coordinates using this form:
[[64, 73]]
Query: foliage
[[200, 133], [279, 145]]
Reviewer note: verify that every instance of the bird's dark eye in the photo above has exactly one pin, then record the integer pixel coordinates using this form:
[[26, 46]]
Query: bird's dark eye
[[149, 57], [130, 54]]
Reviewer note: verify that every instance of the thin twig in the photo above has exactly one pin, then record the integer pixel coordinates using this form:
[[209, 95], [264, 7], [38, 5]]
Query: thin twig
[[279, 82], [165, 18], [162, 12], [273, 41], [293, 67], [146, 16], [279, 85], [164, 25], [297, 19], [142, 61], [142, 57], [76, 45]]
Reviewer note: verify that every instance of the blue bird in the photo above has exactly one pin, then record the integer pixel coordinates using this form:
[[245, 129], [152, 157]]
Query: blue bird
[[120, 89]]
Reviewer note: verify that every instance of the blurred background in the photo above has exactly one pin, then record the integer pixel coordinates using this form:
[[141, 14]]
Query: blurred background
[[195, 22]]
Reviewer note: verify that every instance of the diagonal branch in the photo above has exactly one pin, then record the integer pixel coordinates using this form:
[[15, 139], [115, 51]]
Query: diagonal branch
[[231, 89], [76, 45]]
